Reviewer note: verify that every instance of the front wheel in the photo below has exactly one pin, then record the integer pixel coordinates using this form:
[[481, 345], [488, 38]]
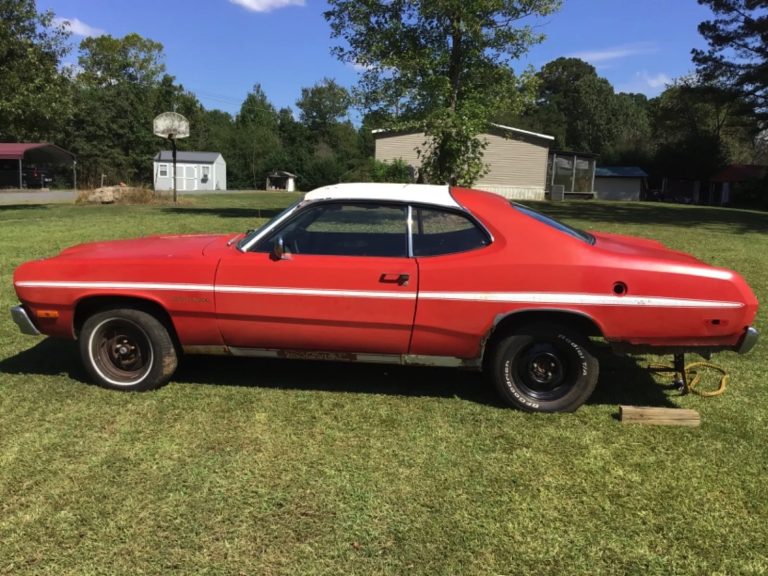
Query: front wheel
[[127, 349], [544, 368]]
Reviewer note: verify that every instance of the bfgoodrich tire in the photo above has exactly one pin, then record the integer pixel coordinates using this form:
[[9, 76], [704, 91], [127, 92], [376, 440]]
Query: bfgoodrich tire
[[127, 349], [544, 368]]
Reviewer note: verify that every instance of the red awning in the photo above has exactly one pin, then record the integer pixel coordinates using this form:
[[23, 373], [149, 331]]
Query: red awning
[[17, 150], [740, 173]]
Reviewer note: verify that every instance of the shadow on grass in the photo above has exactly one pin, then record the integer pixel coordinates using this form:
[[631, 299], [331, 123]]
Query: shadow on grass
[[623, 380], [734, 220], [226, 212], [24, 206], [47, 358]]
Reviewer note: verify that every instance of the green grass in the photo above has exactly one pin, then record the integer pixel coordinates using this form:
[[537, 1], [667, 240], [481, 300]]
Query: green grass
[[260, 467]]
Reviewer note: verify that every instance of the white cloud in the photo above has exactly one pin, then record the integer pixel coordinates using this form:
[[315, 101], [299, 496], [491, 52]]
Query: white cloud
[[649, 84], [615, 52], [659, 80], [361, 67], [79, 28], [266, 5]]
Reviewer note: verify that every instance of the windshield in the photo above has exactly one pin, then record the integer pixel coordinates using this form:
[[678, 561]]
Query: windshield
[[575, 232], [252, 234]]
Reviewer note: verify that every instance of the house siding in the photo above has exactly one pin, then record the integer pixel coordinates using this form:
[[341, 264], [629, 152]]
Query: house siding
[[400, 146], [517, 165]]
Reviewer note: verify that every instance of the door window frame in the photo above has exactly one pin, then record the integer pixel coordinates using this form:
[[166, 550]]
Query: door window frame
[[261, 244]]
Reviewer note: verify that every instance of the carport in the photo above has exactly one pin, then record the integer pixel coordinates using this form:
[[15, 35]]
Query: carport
[[39, 152]]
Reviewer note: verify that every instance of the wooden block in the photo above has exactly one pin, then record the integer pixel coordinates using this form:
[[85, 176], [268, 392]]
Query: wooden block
[[659, 416]]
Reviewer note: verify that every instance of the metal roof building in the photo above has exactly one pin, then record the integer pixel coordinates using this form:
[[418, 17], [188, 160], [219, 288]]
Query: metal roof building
[[619, 182], [15, 155]]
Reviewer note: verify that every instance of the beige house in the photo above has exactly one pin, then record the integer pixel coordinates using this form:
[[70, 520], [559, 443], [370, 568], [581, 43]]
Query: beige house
[[517, 159]]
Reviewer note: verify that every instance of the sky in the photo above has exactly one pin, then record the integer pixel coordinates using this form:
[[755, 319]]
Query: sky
[[218, 49]]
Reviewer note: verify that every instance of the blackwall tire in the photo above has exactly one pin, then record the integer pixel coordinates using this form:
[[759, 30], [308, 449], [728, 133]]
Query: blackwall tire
[[127, 349], [544, 368]]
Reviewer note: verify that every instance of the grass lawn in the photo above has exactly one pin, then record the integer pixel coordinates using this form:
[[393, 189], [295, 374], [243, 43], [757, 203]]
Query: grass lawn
[[258, 467]]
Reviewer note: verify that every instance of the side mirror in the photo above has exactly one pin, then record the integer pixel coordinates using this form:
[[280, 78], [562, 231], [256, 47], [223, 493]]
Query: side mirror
[[278, 250]]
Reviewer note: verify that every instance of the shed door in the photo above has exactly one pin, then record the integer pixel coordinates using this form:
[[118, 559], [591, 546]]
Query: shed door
[[186, 177]]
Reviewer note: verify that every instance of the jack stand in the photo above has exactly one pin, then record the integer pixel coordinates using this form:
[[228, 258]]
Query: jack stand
[[681, 380], [678, 368]]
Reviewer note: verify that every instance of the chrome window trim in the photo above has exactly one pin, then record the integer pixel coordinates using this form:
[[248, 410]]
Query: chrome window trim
[[409, 220], [460, 210], [275, 223], [409, 230]]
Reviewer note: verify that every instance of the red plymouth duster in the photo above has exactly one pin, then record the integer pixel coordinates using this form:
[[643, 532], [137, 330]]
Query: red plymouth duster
[[388, 273]]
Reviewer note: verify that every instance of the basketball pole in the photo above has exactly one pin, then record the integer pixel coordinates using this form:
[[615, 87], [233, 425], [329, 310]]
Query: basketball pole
[[173, 148]]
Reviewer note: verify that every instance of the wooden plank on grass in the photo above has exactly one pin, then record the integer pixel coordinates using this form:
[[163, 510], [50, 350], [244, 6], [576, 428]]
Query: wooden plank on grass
[[660, 416]]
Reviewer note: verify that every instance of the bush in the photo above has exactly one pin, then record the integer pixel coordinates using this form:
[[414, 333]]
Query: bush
[[374, 171]]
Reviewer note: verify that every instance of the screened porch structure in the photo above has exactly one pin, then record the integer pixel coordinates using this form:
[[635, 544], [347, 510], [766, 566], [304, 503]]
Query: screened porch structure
[[574, 171]]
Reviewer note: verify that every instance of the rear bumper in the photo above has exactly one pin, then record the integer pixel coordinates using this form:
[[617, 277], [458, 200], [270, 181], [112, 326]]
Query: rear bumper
[[26, 326], [748, 341]]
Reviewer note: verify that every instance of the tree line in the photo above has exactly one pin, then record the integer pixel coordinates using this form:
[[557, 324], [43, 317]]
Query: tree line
[[445, 68]]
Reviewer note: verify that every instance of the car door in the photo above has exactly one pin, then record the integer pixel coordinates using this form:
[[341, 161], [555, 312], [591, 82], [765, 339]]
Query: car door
[[456, 260], [334, 277]]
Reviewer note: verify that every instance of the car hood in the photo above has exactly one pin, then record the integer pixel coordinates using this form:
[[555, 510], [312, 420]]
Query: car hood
[[149, 247]]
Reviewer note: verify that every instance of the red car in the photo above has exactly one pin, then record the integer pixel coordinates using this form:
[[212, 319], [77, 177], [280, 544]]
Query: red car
[[404, 274]]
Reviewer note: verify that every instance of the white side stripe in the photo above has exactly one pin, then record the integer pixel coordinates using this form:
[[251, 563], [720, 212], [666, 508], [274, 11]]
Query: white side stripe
[[116, 285], [505, 297], [569, 298], [315, 292]]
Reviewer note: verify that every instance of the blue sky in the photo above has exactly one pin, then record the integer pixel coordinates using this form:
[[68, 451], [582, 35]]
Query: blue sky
[[219, 49]]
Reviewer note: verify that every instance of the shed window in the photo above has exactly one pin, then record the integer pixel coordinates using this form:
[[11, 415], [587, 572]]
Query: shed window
[[206, 171], [162, 170]]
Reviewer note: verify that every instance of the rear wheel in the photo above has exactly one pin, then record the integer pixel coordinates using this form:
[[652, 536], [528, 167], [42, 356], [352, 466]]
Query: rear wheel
[[127, 349], [544, 368]]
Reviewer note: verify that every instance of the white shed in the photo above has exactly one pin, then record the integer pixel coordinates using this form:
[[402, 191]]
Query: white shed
[[619, 182], [194, 171]]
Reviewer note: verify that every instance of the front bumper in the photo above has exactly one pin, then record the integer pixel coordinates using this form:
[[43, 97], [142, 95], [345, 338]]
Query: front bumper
[[748, 341], [26, 326]]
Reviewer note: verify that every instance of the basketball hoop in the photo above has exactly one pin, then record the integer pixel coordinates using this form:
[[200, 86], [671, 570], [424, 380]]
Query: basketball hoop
[[172, 126]]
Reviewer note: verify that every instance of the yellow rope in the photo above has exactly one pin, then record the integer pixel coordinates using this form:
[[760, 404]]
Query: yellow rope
[[692, 377], [696, 380]]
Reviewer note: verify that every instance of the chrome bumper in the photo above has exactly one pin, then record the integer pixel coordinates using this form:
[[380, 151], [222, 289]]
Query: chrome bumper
[[748, 341], [26, 326]]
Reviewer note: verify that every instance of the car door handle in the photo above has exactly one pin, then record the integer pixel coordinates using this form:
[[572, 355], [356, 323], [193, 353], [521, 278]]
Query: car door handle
[[400, 279]]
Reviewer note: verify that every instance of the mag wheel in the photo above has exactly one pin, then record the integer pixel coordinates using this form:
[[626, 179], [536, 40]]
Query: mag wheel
[[127, 349], [544, 368]]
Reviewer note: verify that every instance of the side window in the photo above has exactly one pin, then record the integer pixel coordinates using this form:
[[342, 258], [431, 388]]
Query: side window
[[438, 232], [162, 170], [336, 229]]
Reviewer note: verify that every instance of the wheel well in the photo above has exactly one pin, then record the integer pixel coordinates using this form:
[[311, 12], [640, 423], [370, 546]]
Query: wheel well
[[89, 306], [509, 323]]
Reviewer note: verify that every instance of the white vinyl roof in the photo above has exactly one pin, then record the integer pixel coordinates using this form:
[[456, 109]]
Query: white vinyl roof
[[422, 193]]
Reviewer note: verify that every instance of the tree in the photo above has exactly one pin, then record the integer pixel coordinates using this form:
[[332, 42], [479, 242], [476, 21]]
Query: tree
[[258, 143], [323, 104], [441, 66], [699, 128], [737, 56], [633, 142], [575, 105], [35, 99], [122, 85]]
